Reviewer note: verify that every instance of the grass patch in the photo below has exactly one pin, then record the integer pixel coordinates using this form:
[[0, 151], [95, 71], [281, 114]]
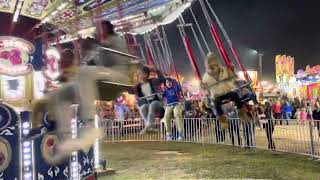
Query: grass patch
[[168, 160]]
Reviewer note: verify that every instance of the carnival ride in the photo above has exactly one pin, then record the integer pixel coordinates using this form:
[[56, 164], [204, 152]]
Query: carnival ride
[[65, 22]]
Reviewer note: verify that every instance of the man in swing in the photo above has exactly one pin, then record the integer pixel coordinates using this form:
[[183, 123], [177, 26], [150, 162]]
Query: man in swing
[[220, 83]]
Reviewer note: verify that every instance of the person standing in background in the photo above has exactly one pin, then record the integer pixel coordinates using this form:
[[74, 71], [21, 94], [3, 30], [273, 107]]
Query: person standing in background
[[276, 109], [287, 111], [269, 125], [316, 117]]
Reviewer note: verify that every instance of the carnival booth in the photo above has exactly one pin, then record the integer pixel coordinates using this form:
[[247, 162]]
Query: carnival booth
[[309, 82]]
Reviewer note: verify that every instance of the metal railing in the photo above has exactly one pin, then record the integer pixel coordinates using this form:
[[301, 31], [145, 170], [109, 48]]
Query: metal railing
[[280, 135]]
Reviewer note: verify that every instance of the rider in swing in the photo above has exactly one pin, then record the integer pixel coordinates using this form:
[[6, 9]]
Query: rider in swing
[[173, 95], [79, 86], [220, 83], [147, 93]]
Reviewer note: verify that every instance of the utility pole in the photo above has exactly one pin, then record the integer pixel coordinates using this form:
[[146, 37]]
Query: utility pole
[[260, 73]]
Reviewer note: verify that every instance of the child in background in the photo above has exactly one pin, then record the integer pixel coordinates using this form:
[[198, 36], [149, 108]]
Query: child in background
[[309, 111], [303, 116], [297, 115]]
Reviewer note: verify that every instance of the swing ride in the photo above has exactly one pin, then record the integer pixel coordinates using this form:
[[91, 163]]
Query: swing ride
[[29, 70]]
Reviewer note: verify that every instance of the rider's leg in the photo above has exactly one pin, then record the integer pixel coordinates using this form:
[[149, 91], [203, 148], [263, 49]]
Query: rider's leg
[[221, 117], [242, 110], [144, 109], [178, 116], [155, 106], [60, 103], [168, 121], [88, 91]]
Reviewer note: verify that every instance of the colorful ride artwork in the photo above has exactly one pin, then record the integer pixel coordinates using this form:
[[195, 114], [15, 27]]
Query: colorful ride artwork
[[309, 82], [285, 78], [19, 82]]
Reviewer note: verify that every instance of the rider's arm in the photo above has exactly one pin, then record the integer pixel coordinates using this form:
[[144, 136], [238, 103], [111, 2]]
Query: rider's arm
[[207, 81]]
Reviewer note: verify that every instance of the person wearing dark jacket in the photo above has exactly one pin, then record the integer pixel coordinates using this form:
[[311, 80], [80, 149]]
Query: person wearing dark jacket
[[316, 117], [269, 125], [147, 95]]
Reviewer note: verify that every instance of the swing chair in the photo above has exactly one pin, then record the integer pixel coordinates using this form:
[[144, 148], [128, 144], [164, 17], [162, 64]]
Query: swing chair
[[242, 85]]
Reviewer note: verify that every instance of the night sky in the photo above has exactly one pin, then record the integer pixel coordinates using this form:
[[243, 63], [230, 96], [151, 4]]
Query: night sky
[[270, 26]]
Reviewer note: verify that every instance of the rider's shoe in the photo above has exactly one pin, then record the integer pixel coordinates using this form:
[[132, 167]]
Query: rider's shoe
[[146, 128], [244, 115], [180, 137], [169, 137]]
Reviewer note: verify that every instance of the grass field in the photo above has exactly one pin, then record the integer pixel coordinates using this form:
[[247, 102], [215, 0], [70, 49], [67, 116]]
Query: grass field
[[166, 160]]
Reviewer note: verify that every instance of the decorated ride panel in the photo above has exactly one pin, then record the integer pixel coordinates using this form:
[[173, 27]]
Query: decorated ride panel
[[9, 143], [15, 54], [39, 9], [7, 5], [83, 16], [44, 148], [16, 70]]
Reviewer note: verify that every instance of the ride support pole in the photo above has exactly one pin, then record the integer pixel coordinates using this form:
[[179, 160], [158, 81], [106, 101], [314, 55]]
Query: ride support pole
[[195, 35], [243, 69], [201, 33], [190, 53]]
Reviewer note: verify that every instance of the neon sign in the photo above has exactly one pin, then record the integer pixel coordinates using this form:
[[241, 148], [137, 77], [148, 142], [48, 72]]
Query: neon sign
[[15, 54], [313, 70]]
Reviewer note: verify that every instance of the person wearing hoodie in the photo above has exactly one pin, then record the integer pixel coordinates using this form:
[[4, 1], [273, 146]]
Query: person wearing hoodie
[[287, 111], [220, 83]]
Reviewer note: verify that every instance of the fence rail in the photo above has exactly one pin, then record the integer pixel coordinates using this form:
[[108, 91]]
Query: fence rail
[[282, 135]]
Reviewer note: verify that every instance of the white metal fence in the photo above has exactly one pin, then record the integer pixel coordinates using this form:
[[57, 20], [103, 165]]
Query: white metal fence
[[281, 135]]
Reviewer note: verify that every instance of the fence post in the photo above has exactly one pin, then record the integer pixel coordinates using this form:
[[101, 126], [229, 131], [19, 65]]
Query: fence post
[[112, 131], [311, 138], [202, 129], [161, 132]]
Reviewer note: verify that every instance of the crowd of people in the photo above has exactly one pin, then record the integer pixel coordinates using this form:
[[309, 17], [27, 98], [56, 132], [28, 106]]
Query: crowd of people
[[286, 109], [224, 100]]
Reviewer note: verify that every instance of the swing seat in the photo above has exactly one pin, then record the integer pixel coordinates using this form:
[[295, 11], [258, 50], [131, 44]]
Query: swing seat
[[251, 96]]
